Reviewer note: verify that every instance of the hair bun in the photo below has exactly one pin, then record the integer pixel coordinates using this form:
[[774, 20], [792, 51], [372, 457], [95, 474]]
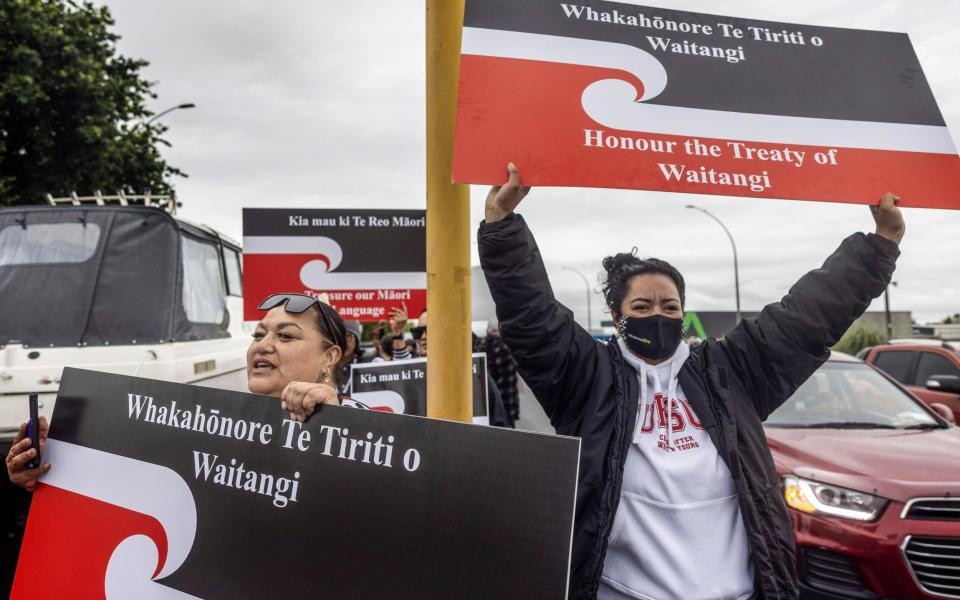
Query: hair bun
[[622, 267], [618, 262]]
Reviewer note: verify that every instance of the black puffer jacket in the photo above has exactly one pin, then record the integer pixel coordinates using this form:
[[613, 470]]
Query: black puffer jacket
[[733, 384]]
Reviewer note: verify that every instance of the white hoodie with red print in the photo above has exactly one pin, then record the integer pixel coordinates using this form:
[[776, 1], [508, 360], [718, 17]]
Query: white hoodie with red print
[[678, 532]]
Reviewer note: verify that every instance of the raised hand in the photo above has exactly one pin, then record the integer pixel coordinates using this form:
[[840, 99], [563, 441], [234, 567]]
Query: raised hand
[[503, 199], [888, 218], [398, 319]]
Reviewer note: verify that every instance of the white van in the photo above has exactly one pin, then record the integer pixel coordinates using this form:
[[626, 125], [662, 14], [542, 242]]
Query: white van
[[123, 289]]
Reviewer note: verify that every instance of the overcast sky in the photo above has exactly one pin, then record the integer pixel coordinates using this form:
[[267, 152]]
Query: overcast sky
[[321, 104]]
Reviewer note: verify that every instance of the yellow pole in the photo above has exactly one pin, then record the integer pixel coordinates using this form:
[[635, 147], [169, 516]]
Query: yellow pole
[[448, 225]]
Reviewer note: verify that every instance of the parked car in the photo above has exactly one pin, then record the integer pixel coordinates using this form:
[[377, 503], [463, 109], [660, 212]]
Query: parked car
[[872, 479], [928, 368]]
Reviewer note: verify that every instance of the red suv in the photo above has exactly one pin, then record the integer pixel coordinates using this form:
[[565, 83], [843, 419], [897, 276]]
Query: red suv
[[930, 369], [872, 479]]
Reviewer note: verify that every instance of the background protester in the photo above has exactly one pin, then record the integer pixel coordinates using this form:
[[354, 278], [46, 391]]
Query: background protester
[[412, 348], [502, 370], [398, 348], [497, 414], [352, 354], [375, 336], [353, 351], [294, 354], [673, 449], [420, 333], [384, 348]]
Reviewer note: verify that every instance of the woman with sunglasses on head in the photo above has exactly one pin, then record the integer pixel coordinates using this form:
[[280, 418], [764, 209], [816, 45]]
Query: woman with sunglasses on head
[[295, 351], [677, 494], [293, 356]]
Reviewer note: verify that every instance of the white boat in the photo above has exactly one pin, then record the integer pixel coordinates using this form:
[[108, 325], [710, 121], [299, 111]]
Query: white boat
[[113, 287]]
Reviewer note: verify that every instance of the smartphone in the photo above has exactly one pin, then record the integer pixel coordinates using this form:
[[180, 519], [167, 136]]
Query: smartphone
[[33, 430]]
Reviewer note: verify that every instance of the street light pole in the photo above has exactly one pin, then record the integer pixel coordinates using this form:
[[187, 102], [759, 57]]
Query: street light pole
[[169, 110], [886, 309], [736, 268], [586, 282]]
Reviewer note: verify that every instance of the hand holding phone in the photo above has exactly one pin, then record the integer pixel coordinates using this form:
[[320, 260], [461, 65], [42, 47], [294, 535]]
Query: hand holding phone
[[33, 430], [24, 464]]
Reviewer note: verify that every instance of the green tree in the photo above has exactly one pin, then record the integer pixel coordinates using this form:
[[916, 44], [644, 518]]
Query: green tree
[[72, 108], [858, 338]]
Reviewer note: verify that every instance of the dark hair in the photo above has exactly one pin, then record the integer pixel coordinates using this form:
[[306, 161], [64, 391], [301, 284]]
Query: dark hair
[[622, 267], [335, 321], [357, 349], [386, 343]]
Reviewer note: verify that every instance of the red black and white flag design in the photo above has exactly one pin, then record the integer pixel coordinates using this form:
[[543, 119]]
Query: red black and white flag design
[[366, 261], [160, 490], [400, 386], [605, 94]]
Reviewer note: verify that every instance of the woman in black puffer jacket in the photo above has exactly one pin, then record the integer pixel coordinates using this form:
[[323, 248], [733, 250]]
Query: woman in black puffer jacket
[[678, 496]]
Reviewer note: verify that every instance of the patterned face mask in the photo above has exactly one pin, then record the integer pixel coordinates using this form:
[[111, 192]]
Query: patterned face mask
[[653, 337]]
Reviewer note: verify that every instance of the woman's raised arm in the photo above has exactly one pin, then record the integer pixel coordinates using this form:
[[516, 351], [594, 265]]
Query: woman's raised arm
[[776, 352], [555, 356]]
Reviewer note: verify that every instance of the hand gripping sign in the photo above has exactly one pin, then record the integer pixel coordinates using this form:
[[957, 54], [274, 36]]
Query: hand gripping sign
[[603, 94]]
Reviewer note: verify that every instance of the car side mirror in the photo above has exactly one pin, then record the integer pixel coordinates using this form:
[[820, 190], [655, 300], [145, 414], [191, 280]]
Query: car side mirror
[[944, 411], [944, 383]]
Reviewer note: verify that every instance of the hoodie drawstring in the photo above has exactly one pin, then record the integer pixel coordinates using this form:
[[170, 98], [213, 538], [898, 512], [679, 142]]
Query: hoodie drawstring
[[671, 401], [647, 403], [642, 409]]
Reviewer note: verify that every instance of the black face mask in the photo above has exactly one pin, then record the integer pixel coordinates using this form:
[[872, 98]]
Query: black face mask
[[653, 337]]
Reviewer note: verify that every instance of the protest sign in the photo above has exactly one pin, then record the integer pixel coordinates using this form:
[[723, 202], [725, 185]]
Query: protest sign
[[605, 94], [400, 386], [164, 490], [366, 261]]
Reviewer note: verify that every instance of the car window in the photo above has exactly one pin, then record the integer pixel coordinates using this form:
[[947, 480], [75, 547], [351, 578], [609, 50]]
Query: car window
[[931, 363], [231, 261], [895, 363], [203, 298], [47, 243], [854, 394]]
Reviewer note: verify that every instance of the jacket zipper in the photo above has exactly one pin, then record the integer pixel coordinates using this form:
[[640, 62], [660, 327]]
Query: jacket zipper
[[701, 374], [623, 442]]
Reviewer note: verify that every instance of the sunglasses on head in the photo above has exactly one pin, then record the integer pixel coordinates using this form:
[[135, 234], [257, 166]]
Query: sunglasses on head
[[296, 304], [418, 331]]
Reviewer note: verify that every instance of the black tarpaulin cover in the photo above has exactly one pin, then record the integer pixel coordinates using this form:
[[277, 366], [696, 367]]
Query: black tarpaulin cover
[[128, 290]]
